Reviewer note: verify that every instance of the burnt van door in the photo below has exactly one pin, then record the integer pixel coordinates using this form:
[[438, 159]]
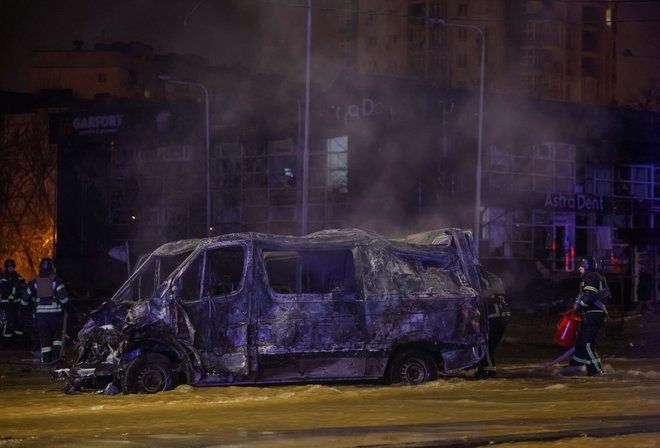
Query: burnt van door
[[219, 319], [311, 318]]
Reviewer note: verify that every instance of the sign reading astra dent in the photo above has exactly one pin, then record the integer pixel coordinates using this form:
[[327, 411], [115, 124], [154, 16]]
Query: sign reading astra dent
[[98, 124], [573, 202]]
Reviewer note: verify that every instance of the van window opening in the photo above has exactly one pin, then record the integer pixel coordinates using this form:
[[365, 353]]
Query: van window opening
[[310, 271], [217, 272], [425, 273]]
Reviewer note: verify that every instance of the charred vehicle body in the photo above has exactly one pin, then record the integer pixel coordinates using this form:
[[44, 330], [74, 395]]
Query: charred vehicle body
[[252, 308]]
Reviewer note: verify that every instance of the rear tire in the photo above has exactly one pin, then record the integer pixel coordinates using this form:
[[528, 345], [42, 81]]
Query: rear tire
[[412, 367], [147, 374]]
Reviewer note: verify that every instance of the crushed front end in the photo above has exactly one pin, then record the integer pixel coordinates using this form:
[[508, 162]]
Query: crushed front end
[[98, 352]]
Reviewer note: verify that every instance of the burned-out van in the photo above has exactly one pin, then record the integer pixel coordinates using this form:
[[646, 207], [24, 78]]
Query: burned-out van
[[252, 308]]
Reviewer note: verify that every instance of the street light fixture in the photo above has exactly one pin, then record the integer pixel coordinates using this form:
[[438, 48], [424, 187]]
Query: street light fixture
[[477, 196], [167, 78]]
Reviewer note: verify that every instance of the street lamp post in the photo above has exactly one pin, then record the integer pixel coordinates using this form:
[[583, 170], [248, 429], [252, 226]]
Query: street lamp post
[[305, 187], [482, 77], [167, 78]]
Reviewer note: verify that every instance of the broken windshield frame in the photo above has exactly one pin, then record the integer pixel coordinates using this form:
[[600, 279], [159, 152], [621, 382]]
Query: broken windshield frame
[[150, 276]]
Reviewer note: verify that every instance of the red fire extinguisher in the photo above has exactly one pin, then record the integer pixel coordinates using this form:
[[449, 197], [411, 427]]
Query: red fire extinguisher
[[567, 328]]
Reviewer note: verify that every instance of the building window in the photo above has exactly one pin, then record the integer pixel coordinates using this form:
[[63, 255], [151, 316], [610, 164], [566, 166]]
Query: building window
[[461, 61], [462, 34], [371, 18], [530, 31], [438, 9], [417, 9], [338, 164], [101, 77], [529, 57], [531, 7], [463, 9], [438, 37]]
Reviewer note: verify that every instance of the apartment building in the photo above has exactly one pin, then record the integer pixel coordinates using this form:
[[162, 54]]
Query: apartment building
[[554, 50], [119, 69]]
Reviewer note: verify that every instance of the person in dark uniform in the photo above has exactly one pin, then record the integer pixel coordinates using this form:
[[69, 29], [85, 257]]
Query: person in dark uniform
[[593, 290], [494, 304], [644, 292], [49, 295], [12, 287]]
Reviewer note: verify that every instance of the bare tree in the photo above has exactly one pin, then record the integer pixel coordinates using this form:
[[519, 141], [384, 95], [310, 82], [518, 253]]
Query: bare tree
[[28, 166], [648, 97]]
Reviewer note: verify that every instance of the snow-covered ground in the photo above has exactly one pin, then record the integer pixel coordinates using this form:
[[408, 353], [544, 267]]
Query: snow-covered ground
[[523, 407]]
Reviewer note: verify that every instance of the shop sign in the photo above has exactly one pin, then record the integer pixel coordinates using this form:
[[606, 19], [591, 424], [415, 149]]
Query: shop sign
[[574, 202], [97, 124], [365, 109]]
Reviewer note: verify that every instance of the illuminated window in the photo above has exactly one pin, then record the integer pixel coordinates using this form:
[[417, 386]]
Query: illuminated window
[[338, 164]]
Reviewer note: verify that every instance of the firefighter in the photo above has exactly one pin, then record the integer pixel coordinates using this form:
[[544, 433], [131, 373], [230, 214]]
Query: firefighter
[[12, 287], [495, 305], [593, 290], [49, 295]]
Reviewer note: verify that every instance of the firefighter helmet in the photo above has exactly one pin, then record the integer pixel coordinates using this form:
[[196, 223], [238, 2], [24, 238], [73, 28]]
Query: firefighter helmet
[[588, 263], [46, 263], [9, 263]]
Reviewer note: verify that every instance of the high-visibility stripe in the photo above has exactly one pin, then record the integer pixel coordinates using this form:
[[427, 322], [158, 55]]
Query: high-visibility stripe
[[46, 349], [594, 359], [52, 308], [580, 360], [591, 288], [57, 343]]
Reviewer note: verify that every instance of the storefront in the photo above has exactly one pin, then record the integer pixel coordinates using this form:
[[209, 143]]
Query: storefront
[[546, 206]]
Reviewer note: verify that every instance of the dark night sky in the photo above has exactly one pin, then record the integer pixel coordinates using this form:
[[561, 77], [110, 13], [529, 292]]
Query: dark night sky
[[223, 31]]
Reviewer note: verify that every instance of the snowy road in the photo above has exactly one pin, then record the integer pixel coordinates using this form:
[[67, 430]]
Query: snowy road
[[621, 409]]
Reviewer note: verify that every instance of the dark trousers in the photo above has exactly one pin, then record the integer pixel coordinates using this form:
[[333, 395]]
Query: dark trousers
[[585, 347], [49, 326], [12, 314], [496, 327]]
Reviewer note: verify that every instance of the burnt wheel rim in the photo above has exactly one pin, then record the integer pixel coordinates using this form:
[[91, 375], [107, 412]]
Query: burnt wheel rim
[[414, 371], [152, 379]]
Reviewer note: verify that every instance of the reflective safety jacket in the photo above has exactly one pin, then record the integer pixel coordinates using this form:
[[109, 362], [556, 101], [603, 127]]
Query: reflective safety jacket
[[593, 290], [12, 286], [47, 292]]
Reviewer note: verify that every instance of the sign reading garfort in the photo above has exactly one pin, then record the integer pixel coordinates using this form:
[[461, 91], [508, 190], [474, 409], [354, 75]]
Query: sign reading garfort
[[574, 202], [98, 124]]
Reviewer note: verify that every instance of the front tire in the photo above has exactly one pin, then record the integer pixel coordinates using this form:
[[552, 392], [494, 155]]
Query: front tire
[[147, 374], [412, 367]]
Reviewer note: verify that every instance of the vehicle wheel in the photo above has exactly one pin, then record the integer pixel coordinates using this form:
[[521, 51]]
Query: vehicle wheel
[[412, 367], [147, 374]]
